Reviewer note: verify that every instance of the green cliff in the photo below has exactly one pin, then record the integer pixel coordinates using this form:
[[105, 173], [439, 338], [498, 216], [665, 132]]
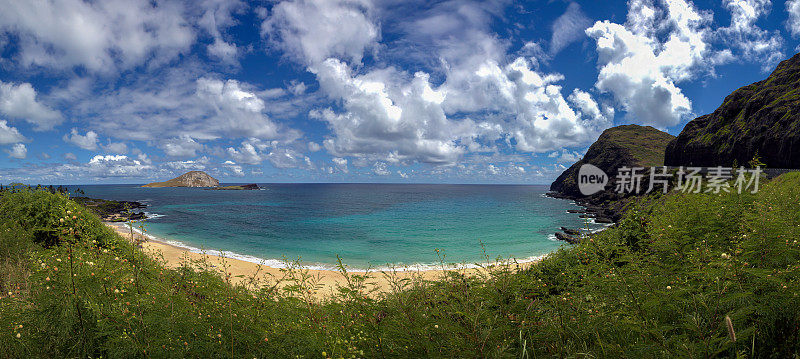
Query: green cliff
[[757, 120]]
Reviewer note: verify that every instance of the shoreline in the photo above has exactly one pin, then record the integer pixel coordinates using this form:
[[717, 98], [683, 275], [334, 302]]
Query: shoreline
[[250, 272]]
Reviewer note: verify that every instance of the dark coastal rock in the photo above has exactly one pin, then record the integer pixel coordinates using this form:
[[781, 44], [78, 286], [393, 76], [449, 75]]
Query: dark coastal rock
[[603, 220], [113, 211], [576, 211], [244, 187], [571, 232], [561, 236], [758, 120], [188, 179]]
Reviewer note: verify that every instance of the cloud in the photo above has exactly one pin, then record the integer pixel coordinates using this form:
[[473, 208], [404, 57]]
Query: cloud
[[750, 41], [288, 158], [379, 168], [86, 142], [236, 111], [182, 102], [565, 156], [568, 28], [188, 165], [642, 60], [18, 151], [247, 153], [314, 147], [793, 24], [312, 31], [234, 168], [116, 147], [9, 134], [216, 19], [340, 164], [384, 117], [18, 101], [181, 147], [98, 36], [394, 116], [114, 166]]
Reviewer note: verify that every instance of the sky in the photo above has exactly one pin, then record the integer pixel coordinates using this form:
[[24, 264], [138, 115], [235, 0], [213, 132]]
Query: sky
[[457, 91]]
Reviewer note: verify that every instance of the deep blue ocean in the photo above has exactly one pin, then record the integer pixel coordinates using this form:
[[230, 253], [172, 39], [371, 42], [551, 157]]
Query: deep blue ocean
[[365, 224]]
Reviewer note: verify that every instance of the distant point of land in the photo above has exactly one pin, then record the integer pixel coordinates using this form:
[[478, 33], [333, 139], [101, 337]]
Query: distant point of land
[[188, 179]]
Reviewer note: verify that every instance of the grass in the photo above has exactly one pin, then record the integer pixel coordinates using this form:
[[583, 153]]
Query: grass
[[683, 275]]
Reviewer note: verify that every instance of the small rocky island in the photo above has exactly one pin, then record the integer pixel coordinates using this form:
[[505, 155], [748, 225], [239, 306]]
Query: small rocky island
[[242, 187], [188, 179]]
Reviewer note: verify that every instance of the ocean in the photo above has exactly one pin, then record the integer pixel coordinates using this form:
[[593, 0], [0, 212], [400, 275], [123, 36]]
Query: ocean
[[366, 225]]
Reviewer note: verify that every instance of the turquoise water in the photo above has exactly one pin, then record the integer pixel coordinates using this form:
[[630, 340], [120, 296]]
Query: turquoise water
[[365, 224]]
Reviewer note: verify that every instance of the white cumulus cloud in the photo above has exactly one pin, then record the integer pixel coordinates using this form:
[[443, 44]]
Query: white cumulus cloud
[[312, 31], [9, 134], [86, 142], [642, 60], [19, 101], [100, 36], [18, 151], [793, 8]]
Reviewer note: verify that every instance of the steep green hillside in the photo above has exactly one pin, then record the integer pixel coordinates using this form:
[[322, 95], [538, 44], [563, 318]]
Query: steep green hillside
[[627, 145], [761, 119]]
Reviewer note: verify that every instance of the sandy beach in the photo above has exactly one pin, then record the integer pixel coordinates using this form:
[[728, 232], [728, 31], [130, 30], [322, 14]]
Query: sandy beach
[[243, 272]]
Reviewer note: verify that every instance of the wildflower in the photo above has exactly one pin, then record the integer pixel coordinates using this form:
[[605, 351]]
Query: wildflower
[[325, 354], [61, 220], [18, 335], [436, 326], [669, 287], [725, 256]]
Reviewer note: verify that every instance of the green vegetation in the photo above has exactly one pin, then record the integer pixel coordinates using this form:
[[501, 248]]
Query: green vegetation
[[683, 275]]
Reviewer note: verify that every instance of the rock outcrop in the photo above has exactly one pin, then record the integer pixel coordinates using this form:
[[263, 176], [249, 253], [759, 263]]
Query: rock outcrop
[[188, 179], [113, 211], [621, 146], [757, 120], [627, 145], [243, 187]]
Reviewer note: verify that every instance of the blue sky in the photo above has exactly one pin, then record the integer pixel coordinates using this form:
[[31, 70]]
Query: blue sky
[[455, 91]]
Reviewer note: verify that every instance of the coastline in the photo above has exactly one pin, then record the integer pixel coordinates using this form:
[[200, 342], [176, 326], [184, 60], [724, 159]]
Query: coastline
[[257, 272]]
